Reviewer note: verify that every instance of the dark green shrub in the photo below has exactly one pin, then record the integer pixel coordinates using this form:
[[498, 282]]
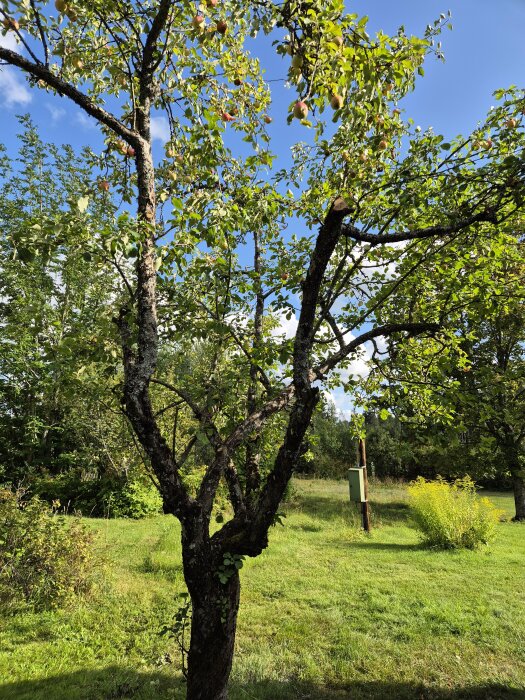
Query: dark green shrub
[[111, 496], [46, 559]]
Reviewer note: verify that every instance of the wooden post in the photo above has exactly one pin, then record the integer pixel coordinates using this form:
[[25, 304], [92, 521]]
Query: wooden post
[[365, 508]]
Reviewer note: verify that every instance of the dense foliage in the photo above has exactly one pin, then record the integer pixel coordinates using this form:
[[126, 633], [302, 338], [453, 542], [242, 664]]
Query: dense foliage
[[360, 236], [46, 560], [451, 515]]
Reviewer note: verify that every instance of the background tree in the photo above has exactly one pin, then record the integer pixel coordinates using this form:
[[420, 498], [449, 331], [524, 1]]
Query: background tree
[[473, 422], [58, 417], [209, 245]]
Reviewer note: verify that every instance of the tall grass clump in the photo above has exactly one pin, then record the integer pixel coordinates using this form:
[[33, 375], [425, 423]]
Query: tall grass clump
[[452, 515], [45, 559]]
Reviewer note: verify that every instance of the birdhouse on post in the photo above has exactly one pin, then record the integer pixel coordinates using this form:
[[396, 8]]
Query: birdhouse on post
[[358, 484]]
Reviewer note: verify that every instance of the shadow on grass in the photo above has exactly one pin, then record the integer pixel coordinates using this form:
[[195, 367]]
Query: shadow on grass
[[389, 546], [116, 683], [329, 508], [393, 512], [274, 690], [170, 571]]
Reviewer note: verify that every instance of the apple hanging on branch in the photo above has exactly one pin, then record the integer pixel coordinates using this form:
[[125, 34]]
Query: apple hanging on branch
[[300, 110], [11, 24], [336, 101], [198, 23]]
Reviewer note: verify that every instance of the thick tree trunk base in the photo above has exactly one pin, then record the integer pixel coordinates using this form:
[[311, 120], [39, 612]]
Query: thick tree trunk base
[[519, 498], [213, 627]]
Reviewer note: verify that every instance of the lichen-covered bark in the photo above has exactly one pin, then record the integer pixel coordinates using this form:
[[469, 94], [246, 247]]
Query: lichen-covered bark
[[213, 628]]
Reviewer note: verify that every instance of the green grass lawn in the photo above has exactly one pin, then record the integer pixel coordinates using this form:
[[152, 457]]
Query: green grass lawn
[[326, 612]]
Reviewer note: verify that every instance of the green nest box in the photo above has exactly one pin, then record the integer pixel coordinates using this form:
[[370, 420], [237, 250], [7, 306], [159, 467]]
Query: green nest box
[[356, 482]]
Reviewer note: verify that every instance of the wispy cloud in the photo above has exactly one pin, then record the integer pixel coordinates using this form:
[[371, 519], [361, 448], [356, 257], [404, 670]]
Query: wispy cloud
[[160, 130], [13, 90], [57, 113], [85, 121], [10, 41]]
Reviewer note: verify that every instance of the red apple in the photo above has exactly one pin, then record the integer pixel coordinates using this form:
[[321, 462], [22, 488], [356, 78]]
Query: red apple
[[226, 117], [222, 27], [130, 151], [511, 123], [198, 23], [300, 110], [267, 119], [212, 3], [103, 185]]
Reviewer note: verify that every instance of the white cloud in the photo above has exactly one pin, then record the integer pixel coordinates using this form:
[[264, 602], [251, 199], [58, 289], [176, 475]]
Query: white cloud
[[57, 113], [341, 401], [12, 88], [10, 41], [286, 327], [160, 129], [358, 366], [85, 121]]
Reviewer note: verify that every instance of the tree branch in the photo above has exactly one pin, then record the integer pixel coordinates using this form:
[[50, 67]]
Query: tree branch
[[353, 232], [40, 72]]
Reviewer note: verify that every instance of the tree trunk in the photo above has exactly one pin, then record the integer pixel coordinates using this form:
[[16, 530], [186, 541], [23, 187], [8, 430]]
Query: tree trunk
[[213, 626], [519, 497]]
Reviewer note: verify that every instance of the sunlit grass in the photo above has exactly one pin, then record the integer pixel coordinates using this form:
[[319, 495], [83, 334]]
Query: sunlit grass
[[327, 612]]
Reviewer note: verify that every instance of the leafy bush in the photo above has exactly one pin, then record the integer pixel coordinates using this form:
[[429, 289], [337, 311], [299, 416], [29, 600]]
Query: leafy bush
[[111, 495], [137, 498], [452, 515], [45, 559]]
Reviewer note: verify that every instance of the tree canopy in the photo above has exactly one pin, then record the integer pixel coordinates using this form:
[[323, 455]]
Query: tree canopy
[[383, 211]]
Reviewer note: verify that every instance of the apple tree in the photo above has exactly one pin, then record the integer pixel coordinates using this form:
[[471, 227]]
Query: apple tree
[[229, 244], [473, 396]]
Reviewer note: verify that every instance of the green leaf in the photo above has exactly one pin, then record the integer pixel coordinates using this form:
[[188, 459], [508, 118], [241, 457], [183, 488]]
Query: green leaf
[[82, 204]]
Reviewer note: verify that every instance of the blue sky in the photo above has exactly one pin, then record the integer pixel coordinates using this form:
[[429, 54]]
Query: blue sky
[[485, 51]]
